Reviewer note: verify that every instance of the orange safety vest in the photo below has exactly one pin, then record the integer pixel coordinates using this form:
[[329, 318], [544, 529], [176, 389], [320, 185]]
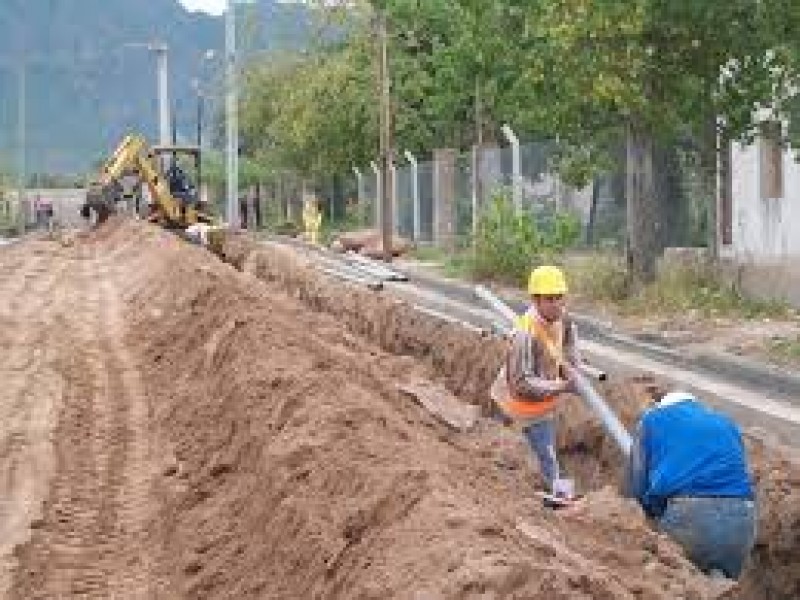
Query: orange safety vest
[[518, 408]]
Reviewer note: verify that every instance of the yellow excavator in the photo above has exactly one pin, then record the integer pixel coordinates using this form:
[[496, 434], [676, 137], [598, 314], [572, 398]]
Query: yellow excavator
[[174, 199]]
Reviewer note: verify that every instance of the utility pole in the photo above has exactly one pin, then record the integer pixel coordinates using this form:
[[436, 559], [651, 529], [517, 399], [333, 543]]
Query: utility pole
[[162, 67], [231, 121], [385, 141], [162, 83], [22, 142]]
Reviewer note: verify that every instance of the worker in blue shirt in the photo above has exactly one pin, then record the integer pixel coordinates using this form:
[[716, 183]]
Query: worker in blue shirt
[[688, 469]]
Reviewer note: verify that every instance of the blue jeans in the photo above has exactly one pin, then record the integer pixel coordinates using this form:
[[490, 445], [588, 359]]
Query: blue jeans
[[541, 437], [716, 533]]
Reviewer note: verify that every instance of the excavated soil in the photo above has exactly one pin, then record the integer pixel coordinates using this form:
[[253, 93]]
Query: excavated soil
[[175, 428], [468, 363]]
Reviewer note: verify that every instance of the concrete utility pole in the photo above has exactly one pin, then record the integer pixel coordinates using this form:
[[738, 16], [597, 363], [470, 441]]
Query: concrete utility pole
[[162, 67], [22, 142], [231, 121], [385, 141], [162, 84]]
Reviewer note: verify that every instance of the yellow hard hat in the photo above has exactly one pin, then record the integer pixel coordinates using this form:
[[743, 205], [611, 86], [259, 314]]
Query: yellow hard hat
[[547, 280]]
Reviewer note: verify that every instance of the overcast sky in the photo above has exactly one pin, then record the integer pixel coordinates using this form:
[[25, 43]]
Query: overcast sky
[[214, 7]]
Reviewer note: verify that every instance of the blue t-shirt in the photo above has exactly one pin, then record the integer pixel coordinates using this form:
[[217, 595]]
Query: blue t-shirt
[[689, 450]]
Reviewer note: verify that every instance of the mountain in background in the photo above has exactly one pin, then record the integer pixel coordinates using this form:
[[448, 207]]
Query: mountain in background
[[85, 89]]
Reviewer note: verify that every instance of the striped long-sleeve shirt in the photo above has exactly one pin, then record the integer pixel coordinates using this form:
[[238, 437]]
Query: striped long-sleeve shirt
[[527, 365]]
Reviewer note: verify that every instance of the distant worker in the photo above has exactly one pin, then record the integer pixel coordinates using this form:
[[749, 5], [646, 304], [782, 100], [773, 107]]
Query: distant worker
[[539, 367], [179, 184], [688, 469], [47, 209], [312, 219]]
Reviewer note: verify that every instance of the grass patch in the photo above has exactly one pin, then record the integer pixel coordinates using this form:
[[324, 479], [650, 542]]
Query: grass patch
[[784, 350], [599, 278], [430, 254], [458, 264], [681, 290], [604, 279]]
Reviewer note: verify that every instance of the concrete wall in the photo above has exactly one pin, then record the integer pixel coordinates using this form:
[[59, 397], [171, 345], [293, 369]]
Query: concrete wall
[[764, 256], [763, 228], [66, 205]]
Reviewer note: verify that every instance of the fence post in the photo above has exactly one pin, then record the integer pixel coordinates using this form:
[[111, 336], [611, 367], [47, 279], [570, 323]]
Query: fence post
[[444, 193], [359, 185], [516, 175], [395, 207], [476, 188], [415, 193], [378, 193]]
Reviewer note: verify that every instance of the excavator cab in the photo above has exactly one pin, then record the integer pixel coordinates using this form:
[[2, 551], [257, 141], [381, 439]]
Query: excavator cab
[[171, 175], [182, 172]]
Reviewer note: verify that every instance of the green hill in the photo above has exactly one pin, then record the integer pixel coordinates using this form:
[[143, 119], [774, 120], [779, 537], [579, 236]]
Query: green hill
[[85, 88]]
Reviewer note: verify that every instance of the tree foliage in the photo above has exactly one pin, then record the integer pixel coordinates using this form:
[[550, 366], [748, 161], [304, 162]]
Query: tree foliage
[[576, 71]]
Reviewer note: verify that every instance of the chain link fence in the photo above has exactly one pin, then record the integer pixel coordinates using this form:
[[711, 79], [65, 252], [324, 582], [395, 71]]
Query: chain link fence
[[451, 189]]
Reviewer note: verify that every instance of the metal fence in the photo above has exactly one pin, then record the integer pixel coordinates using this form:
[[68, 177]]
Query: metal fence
[[421, 198]]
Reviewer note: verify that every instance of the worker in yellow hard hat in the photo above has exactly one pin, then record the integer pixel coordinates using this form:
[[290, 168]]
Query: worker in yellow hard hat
[[540, 367], [312, 219]]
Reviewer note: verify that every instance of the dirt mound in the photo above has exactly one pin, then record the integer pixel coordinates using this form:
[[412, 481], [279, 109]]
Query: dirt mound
[[221, 439], [468, 365], [775, 568], [297, 469]]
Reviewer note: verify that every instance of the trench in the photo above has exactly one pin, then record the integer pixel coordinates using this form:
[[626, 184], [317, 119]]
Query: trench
[[468, 361]]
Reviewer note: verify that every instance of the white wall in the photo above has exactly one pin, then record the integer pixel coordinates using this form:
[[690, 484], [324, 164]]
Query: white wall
[[764, 257], [763, 230], [66, 204]]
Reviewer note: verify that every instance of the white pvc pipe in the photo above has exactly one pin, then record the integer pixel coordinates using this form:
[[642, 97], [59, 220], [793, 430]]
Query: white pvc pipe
[[613, 425], [498, 305]]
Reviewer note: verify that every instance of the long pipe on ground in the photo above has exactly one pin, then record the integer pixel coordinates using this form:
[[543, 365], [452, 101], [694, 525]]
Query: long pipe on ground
[[372, 265], [594, 401], [353, 277]]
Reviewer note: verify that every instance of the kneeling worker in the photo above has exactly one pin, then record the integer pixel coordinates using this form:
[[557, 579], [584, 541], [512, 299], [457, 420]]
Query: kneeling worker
[[539, 366], [688, 470]]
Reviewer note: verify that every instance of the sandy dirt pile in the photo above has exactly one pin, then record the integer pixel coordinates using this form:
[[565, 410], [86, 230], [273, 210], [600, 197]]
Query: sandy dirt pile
[[775, 568], [297, 469], [589, 454], [212, 437]]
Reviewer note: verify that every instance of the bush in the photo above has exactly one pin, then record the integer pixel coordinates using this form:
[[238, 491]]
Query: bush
[[507, 244], [601, 277], [678, 290]]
